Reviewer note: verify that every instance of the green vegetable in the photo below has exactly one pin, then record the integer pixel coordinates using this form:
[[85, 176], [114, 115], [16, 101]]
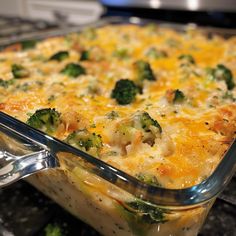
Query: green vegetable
[[178, 96], [175, 96], [229, 95], [121, 53], [187, 59], [140, 215], [85, 55], [73, 70], [112, 115], [143, 71], [146, 121], [59, 56], [46, 120], [23, 87], [139, 122], [19, 71], [210, 73], [148, 179], [6, 83], [156, 54], [84, 140], [53, 230], [221, 72], [148, 212], [29, 44], [125, 91], [150, 128]]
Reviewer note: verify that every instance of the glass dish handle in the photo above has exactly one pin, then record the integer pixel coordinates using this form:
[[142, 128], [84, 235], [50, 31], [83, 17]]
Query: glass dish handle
[[21, 156], [17, 167]]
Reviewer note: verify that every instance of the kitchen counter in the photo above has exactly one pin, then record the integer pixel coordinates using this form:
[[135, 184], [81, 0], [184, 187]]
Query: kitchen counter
[[27, 212]]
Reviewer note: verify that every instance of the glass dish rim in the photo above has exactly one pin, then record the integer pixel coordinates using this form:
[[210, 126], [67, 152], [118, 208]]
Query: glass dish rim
[[116, 20], [181, 198]]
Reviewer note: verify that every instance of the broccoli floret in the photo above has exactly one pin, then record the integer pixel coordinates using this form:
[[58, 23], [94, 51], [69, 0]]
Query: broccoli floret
[[148, 179], [73, 70], [156, 54], [140, 125], [178, 96], [140, 215], [146, 121], [149, 127], [23, 87], [144, 212], [112, 115], [210, 73], [125, 91], [85, 55], [53, 230], [6, 83], [175, 96], [187, 59], [143, 71], [46, 120], [85, 140], [94, 53], [59, 56], [229, 95], [29, 44], [223, 73], [19, 71]]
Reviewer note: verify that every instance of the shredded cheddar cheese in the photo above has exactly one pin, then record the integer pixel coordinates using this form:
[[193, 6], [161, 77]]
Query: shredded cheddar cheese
[[176, 126]]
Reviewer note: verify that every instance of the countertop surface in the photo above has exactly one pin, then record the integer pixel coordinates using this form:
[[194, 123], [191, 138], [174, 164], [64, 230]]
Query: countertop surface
[[26, 212]]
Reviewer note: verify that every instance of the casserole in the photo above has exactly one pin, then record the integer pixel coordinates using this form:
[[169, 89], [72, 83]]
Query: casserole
[[155, 126]]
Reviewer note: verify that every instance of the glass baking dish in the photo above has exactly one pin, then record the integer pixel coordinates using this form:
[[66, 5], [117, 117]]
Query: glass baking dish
[[111, 201]]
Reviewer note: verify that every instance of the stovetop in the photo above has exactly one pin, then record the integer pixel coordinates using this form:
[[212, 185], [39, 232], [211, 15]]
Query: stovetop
[[13, 27]]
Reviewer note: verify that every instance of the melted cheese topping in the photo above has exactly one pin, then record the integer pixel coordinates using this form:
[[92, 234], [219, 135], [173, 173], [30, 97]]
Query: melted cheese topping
[[196, 132]]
